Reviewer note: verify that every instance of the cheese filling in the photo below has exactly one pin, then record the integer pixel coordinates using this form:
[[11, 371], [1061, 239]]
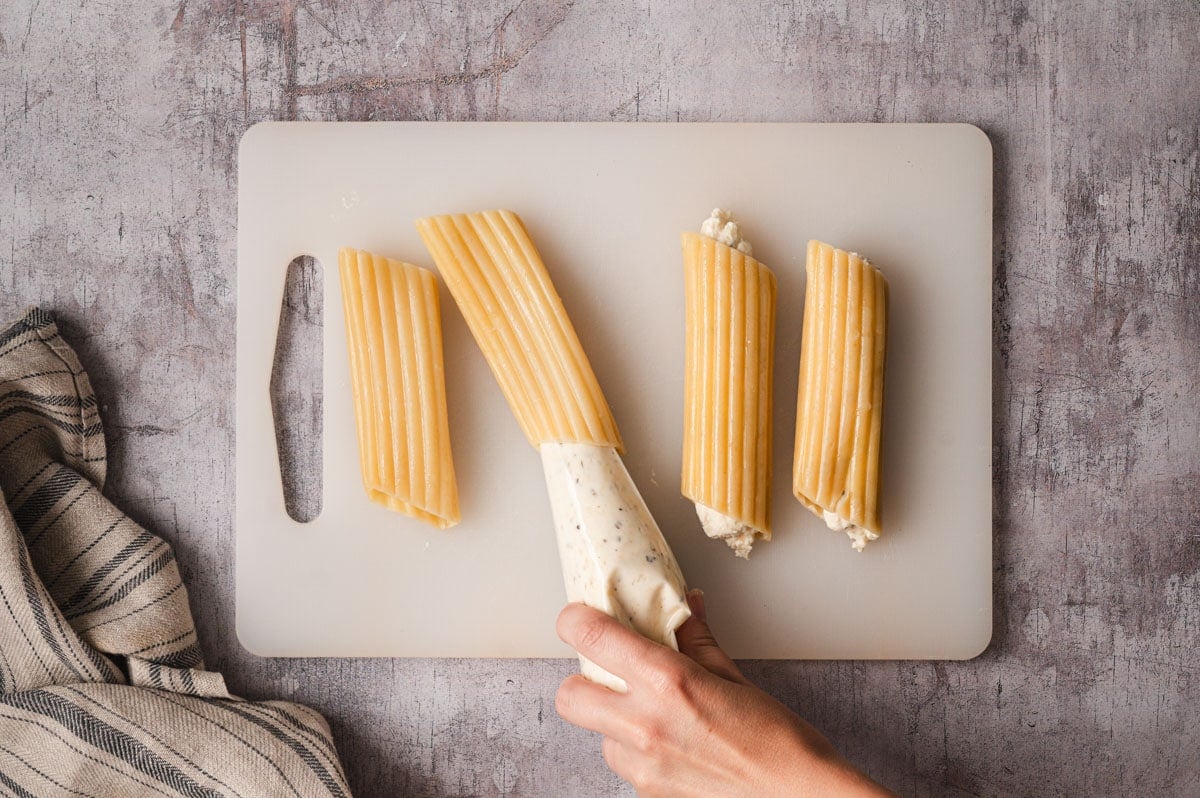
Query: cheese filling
[[720, 227], [740, 537], [858, 536], [613, 555]]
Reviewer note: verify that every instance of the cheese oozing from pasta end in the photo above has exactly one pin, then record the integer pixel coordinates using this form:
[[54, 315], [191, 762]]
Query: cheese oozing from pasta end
[[737, 535], [859, 537], [719, 226]]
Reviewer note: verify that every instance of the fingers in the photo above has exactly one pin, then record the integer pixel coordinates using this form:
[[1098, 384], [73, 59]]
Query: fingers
[[696, 641], [610, 645], [591, 706]]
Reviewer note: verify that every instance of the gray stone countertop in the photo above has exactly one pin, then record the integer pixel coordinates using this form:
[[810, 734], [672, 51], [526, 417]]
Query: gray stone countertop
[[118, 213]]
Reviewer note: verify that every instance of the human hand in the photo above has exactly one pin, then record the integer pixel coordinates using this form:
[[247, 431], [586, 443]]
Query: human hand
[[691, 724]]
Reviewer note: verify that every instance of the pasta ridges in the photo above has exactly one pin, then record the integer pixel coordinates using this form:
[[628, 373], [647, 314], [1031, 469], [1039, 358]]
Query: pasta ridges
[[394, 342], [537, 332], [840, 397], [500, 283], [729, 360]]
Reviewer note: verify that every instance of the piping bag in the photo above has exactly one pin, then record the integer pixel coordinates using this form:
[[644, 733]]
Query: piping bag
[[613, 555]]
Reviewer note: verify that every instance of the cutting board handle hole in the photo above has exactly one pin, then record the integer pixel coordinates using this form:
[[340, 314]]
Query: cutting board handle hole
[[296, 380]]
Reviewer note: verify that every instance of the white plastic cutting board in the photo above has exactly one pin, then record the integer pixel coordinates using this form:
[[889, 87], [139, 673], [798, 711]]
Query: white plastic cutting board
[[605, 204]]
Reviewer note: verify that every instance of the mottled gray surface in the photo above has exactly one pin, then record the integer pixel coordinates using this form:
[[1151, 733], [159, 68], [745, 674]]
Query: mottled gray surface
[[118, 212], [296, 389]]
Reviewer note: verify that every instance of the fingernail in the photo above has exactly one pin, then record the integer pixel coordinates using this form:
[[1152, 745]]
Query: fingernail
[[695, 599]]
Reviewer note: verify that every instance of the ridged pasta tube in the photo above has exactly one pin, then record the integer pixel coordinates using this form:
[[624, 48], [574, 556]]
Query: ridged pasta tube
[[496, 276], [839, 410], [394, 339], [729, 362]]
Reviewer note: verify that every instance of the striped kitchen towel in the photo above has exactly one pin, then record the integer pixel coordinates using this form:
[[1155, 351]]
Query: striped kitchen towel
[[103, 690]]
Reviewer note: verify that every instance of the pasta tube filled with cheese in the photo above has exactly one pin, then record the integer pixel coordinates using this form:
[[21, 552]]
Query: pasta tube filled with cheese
[[839, 411], [613, 554], [730, 331], [394, 339]]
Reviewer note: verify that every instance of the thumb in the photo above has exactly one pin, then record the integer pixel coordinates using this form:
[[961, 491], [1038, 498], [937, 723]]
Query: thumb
[[697, 642]]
